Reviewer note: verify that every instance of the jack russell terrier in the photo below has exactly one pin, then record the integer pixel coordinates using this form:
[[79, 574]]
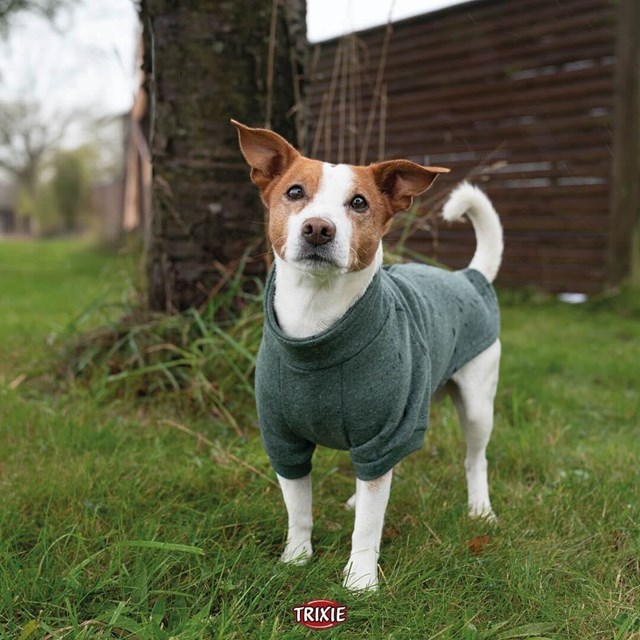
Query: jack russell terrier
[[352, 351]]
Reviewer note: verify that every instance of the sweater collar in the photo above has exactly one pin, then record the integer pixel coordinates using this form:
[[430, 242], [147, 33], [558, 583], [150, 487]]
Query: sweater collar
[[353, 332]]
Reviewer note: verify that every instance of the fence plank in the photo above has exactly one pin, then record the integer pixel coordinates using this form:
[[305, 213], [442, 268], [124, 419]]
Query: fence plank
[[518, 94]]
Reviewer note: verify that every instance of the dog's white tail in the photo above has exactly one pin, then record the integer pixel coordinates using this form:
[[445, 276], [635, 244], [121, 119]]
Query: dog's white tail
[[470, 200]]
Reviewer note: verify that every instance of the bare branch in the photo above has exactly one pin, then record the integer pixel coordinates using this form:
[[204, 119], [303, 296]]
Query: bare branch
[[46, 8], [27, 137]]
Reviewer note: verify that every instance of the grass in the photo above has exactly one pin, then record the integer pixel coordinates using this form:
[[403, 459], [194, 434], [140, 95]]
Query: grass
[[132, 515], [48, 289]]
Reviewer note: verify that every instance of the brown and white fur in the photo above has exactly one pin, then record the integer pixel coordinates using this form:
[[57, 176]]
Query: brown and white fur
[[326, 224]]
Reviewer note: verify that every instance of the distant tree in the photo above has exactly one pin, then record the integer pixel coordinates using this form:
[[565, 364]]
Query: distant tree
[[70, 186], [27, 137], [206, 62]]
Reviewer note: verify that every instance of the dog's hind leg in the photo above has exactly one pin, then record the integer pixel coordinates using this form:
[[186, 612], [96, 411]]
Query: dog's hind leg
[[473, 394], [350, 504]]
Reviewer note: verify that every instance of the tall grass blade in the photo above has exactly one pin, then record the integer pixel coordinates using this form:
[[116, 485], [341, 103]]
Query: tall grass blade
[[161, 546]]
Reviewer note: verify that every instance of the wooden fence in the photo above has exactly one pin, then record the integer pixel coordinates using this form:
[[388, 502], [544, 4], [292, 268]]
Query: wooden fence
[[517, 95]]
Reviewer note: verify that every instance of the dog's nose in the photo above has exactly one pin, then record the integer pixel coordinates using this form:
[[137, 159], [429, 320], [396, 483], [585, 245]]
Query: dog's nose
[[317, 231]]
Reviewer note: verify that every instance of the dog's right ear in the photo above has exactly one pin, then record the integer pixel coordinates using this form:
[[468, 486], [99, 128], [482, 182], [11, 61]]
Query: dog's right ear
[[268, 154]]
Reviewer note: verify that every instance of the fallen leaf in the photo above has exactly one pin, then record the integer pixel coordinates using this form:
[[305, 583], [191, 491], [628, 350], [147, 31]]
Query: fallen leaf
[[478, 544]]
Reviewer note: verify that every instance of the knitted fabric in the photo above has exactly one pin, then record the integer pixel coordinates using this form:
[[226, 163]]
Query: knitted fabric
[[365, 384]]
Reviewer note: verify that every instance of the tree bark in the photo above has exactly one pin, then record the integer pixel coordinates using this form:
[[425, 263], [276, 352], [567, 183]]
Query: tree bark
[[208, 61]]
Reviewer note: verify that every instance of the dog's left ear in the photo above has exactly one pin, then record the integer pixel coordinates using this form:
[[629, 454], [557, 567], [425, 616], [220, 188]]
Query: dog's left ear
[[401, 180], [267, 153]]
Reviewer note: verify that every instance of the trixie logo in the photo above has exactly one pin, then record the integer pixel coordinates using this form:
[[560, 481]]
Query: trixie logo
[[320, 614]]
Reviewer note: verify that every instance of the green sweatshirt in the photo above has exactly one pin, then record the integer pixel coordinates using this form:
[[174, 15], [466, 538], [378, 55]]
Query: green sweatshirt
[[365, 384]]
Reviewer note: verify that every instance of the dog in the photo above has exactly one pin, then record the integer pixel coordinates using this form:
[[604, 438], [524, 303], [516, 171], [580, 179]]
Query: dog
[[352, 351]]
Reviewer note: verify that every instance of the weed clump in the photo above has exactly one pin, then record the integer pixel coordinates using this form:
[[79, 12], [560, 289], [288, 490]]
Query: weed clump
[[206, 355]]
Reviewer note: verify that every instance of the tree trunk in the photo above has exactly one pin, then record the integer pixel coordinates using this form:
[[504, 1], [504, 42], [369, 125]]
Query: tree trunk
[[208, 61]]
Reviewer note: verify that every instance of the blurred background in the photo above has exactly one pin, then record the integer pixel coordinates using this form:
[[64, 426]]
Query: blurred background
[[537, 101], [67, 82]]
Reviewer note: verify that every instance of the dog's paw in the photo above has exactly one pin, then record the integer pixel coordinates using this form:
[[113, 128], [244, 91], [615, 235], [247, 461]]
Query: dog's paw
[[361, 574], [297, 553], [350, 504], [483, 512]]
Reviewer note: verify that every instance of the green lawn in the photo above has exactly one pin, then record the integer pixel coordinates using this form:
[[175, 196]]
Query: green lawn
[[47, 287], [133, 517]]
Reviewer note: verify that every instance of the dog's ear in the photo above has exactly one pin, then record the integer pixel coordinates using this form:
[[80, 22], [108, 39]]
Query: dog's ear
[[401, 180], [267, 153]]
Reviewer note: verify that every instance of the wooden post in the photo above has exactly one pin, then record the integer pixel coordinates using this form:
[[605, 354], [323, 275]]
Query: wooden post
[[624, 227]]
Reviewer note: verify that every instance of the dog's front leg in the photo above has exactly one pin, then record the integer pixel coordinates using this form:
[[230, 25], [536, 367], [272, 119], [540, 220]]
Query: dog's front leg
[[297, 498], [372, 496]]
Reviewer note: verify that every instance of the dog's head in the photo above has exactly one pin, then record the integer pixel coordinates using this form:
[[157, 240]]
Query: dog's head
[[324, 216]]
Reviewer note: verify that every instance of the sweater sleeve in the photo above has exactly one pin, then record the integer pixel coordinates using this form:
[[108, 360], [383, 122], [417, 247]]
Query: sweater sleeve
[[290, 455]]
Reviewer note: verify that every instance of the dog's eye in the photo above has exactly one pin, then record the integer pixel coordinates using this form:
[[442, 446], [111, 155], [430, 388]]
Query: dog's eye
[[359, 203], [295, 193]]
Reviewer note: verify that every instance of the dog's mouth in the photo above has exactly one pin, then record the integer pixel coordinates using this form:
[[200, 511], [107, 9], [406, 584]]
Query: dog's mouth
[[315, 259]]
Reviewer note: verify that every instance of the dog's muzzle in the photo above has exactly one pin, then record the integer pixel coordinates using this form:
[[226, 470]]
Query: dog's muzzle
[[318, 231]]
